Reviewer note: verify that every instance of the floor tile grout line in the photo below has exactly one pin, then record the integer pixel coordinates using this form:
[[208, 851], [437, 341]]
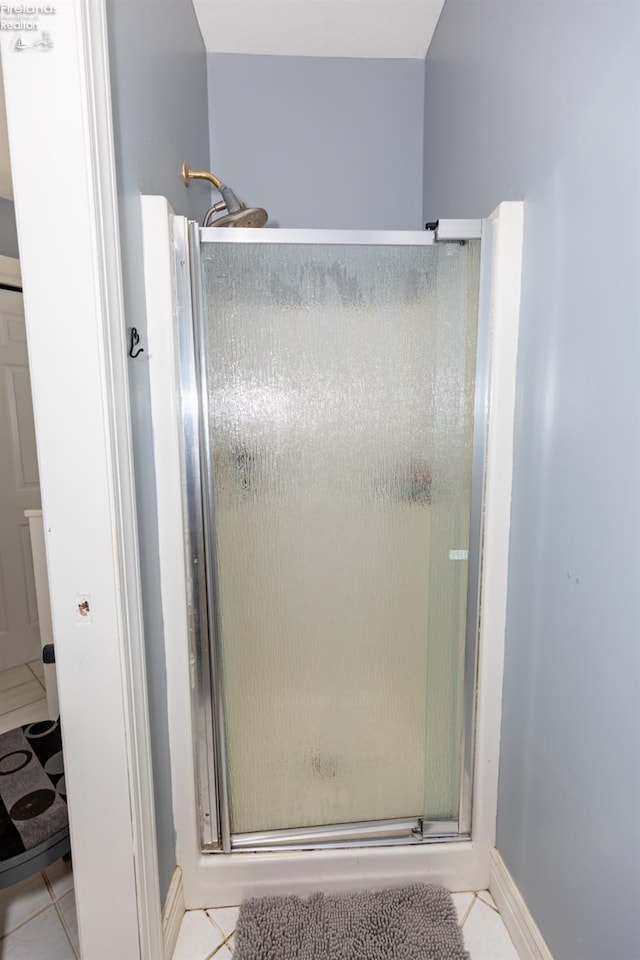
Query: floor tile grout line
[[25, 722], [226, 936], [490, 905], [20, 683], [17, 666], [48, 885], [217, 949], [65, 927], [220, 932], [37, 682], [468, 910], [13, 687], [214, 925], [29, 703], [52, 893], [3, 936]]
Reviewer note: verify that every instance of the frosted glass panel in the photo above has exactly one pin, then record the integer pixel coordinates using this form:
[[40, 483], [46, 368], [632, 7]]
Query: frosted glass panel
[[340, 382]]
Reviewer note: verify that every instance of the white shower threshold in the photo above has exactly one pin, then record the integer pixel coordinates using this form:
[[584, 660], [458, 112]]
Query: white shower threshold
[[225, 879]]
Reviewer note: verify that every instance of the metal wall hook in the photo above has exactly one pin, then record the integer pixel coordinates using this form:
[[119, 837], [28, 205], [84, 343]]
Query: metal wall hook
[[134, 341]]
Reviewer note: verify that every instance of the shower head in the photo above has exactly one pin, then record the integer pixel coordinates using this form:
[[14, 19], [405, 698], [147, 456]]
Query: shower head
[[238, 215], [241, 217]]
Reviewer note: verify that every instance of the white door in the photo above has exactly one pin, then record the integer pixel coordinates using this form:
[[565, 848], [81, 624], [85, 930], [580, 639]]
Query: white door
[[19, 490]]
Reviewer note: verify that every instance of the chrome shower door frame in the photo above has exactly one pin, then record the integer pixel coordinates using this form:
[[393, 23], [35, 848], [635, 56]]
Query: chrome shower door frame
[[204, 626]]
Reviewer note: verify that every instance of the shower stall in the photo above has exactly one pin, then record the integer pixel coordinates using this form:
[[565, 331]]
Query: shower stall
[[327, 396]]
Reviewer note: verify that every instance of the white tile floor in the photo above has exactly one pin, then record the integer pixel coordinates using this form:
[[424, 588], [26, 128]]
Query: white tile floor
[[210, 933], [22, 696], [37, 916]]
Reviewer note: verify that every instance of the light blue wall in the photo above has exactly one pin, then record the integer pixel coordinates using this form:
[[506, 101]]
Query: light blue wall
[[158, 70], [320, 142], [541, 101], [8, 233]]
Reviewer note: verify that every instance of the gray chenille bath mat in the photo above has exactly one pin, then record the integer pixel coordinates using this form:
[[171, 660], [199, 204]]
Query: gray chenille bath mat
[[416, 922]]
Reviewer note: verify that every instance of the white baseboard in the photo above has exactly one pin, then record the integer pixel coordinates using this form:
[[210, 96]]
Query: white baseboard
[[172, 914], [522, 928]]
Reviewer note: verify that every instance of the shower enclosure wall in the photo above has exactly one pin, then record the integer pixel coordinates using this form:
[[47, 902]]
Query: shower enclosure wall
[[327, 397]]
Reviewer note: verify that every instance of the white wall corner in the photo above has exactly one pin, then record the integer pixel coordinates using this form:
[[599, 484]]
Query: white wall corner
[[507, 221], [515, 913]]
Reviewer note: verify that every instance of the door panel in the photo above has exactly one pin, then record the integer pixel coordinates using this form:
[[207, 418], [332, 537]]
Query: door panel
[[340, 389], [23, 435], [19, 490]]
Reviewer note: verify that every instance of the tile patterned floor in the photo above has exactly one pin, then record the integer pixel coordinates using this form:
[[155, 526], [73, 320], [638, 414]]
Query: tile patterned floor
[[38, 916], [207, 934], [22, 696]]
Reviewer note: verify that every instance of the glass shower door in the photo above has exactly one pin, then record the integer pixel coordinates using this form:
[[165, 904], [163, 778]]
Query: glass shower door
[[338, 384]]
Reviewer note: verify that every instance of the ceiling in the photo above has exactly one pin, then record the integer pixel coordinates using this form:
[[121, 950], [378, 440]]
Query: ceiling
[[319, 28]]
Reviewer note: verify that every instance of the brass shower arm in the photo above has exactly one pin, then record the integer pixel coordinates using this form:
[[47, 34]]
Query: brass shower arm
[[238, 214], [189, 175]]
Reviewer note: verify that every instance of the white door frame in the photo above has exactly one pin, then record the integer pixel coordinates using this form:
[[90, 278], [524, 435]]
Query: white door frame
[[61, 139]]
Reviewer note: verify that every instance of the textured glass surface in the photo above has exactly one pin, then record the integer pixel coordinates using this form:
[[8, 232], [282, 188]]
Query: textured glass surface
[[340, 382]]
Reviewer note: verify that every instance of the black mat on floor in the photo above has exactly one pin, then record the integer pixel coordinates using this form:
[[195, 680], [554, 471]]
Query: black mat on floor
[[33, 800]]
